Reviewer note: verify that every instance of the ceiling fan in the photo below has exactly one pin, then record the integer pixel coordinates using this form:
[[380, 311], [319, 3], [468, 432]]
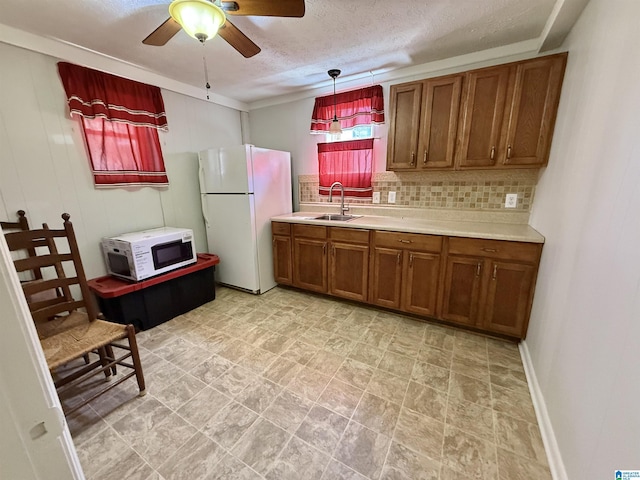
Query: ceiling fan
[[227, 30]]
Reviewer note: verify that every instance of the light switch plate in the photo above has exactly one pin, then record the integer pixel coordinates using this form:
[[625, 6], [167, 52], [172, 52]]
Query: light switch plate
[[511, 200], [376, 197], [392, 197]]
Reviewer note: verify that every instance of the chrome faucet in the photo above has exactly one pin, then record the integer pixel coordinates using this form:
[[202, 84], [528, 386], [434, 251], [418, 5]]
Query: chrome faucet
[[343, 209]]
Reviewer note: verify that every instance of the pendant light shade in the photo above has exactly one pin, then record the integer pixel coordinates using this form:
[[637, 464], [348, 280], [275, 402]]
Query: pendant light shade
[[334, 128], [201, 19]]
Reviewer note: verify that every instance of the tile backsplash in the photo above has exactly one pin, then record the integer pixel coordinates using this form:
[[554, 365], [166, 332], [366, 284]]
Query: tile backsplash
[[467, 190]]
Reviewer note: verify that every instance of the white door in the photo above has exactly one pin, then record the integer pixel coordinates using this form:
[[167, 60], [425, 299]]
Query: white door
[[231, 234], [226, 170]]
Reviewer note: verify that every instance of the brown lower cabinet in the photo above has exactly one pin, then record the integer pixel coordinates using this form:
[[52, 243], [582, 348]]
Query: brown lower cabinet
[[489, 284], [405, 269], [282, 264], [310, 257], [349, 263], [484, 284]]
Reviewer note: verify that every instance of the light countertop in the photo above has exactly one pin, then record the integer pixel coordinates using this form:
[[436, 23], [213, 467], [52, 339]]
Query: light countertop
[[452, 228]]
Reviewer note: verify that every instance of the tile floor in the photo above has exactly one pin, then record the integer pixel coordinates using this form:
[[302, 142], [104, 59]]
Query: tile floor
[[290, 385]]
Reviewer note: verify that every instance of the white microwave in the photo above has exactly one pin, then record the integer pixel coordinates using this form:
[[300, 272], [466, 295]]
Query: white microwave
[[140, 255]]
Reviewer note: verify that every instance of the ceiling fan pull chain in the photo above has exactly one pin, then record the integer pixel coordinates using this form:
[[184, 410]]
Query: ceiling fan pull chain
[[206, 74]]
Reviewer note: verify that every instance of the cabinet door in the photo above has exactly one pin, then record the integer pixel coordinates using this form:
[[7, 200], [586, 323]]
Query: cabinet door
[[420, 283], [282, 268], [461, 295], [403, 130], [386, 277], [440, 111], [481, 117], [310, 264], [532, 113], [509, 296], [349, 270]]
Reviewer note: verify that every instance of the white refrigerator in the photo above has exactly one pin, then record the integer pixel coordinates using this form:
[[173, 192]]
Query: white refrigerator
[[241, 189]]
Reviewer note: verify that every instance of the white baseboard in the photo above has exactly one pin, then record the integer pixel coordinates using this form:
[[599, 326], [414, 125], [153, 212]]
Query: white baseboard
[[556, 465]]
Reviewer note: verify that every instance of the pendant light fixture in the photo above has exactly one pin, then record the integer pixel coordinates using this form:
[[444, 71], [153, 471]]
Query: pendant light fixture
[[335, 128]]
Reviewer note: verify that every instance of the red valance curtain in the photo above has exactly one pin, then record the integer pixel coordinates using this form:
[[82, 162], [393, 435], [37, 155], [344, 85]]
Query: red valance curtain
[[349, 163], [356, 107], [94, 94], [120, 119]]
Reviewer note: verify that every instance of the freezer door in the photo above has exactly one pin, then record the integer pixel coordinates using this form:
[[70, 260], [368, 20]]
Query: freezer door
[[226, 170], [231, 234]]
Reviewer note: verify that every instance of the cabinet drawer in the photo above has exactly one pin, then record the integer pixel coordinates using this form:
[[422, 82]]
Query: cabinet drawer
[[280, 228], [351, 235], [309, 231], [413, 241], [500, 249]]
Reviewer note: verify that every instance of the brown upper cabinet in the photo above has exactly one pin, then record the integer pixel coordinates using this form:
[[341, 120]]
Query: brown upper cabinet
[[403, 132], [496, 117], [424, 119]]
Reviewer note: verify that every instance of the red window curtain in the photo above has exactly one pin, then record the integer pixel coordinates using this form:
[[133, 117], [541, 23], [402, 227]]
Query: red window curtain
[[349, 163], [120, 119], [356, 107]]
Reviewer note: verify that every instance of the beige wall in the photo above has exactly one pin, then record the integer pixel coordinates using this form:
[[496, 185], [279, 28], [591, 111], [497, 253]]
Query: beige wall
[[44, 167], [584, 330]]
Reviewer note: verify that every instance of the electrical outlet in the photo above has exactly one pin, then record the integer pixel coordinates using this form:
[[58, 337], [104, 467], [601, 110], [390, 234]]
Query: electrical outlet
[[511, 201], [392, 197], [376, 197]]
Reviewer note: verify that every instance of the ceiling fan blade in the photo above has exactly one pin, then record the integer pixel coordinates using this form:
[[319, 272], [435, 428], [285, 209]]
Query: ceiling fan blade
[[238, 40], [163, 33], [266, 8]]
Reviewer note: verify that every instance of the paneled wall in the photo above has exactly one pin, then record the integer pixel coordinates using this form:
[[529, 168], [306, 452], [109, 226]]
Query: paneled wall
[[584, 329], [44, 168]]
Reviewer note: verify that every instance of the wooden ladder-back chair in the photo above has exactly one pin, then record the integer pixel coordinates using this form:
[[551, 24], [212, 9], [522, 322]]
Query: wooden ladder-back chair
[[21, 225], [68, 328]]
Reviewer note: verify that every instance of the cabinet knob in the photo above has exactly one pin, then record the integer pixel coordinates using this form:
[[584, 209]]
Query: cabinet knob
[[493, 152], [413, 158], [491, 250], [495, 271], [426, 156], [508, 152], [411, 260], [398, 258], [404, 241], [478, 268], [324, 249]]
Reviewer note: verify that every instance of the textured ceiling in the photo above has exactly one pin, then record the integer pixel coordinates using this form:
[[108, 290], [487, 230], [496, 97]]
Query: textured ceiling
[[355, 36]]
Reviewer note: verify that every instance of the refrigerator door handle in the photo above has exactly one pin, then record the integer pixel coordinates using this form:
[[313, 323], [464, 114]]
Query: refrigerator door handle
[[201, 175], [204, 210]]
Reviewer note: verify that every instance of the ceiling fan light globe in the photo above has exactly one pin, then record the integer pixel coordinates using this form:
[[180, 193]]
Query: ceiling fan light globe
[[199, 18]]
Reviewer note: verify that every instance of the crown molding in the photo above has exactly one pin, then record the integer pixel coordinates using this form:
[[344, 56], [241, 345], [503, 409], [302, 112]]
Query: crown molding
[[90, 58]]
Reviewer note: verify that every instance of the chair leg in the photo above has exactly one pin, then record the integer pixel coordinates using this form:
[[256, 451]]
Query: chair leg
[[104, 359], [135, 357], [109, 349]]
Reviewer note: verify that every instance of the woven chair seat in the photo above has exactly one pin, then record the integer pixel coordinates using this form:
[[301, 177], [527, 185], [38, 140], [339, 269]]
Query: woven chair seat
[[60, 324], [79, 340]]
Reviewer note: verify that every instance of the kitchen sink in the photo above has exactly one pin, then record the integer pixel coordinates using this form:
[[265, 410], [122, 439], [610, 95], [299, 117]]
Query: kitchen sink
[[337, 218]]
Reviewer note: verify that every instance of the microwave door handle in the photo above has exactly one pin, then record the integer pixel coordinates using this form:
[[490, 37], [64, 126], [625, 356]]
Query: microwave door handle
[[204, 210]]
